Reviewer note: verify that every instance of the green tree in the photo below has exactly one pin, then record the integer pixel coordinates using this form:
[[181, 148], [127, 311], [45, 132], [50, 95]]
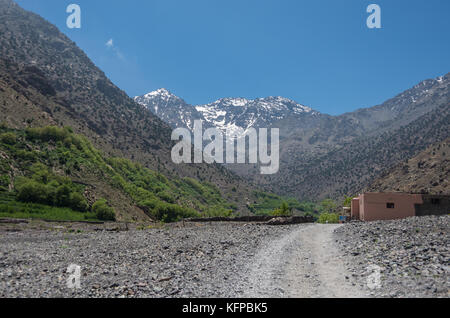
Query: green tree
[[63, 195], [347, 201], [40, 173], [103, 211], [78, 202], [33, 192], [284, 210], [327, 206]]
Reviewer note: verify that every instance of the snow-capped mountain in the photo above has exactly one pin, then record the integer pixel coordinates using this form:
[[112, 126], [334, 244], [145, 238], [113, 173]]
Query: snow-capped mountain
[[227, 114], [231, 114], [324, 155], [170, 108]]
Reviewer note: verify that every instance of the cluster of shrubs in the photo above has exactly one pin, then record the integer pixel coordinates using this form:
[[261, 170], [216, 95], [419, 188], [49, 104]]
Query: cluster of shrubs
[[4, 182], [8, 138], [46, 188], [167, 212], [103, 211], [63, 135], [328, 214], [49, 133], [159, 197], [218, 211], [51, 194], [328, 218], [284, 210]]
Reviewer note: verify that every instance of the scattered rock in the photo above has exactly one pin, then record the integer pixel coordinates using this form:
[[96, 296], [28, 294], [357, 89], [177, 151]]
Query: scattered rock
[[412, 254]]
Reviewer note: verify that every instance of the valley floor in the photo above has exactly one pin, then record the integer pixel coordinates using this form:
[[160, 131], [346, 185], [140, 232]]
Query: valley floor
[[215, 260]]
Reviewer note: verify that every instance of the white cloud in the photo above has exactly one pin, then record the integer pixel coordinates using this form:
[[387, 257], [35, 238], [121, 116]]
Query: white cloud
[[110, 43]]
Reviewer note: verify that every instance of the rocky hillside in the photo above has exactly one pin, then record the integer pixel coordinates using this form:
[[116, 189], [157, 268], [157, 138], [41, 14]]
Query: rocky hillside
[[428, 172], [45, 79], [347, 169]]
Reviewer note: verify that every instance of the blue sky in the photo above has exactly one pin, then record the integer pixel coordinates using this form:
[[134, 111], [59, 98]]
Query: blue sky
[[317, 52]]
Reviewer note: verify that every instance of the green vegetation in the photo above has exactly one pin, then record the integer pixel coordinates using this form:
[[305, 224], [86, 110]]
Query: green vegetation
[[4, 182], [11, 208], [284, 210], [328, 218], [47, 160], [8, 138], [269, 204], [45, 187], [328, 206], [347, 201], [102, 211], [167, 200], [328, 213]]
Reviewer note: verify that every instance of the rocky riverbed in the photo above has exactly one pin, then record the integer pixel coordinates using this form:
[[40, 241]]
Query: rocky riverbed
[[227, 259], [198, 260], [412, 255]]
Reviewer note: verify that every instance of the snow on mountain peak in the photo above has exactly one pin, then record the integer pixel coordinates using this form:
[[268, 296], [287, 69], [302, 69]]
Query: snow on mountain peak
[[236, 102], [162, 92], [272, 103], [156, 97], [228, 114]]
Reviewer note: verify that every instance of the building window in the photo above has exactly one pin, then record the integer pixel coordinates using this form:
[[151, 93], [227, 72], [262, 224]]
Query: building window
[[435, 201], [390, 205]]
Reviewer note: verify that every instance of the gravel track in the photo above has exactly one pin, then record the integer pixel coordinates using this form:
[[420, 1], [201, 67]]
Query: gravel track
[[303, 263], [231, 260]]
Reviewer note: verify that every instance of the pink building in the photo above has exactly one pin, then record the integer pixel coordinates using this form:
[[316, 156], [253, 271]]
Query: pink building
[[385, 206]]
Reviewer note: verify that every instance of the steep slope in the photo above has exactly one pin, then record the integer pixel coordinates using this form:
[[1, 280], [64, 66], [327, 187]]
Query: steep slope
[[428, 172], [45, 79], [331, 133], [355, 165], [405, 107]]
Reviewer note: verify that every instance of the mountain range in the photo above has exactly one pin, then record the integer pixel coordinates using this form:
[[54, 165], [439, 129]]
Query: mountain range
[[227, 114], [322, 155]]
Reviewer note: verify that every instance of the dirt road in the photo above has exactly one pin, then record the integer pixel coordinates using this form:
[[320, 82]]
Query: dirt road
[[303, 263]]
